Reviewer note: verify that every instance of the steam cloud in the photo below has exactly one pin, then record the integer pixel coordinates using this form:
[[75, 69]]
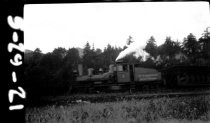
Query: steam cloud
[[133, 48]]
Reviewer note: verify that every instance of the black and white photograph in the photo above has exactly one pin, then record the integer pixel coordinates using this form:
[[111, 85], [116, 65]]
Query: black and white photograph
[[116, 62]]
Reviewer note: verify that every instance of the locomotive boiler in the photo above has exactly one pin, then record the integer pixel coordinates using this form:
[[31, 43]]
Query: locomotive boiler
[[121, 76], [124, 76]]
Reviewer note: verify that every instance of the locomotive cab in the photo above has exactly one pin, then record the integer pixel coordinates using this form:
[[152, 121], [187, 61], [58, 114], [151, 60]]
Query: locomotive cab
[[124, 73], [136, 75]]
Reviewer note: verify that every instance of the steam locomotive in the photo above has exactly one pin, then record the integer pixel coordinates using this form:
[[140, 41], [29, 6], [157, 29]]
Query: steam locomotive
[[124, 76]]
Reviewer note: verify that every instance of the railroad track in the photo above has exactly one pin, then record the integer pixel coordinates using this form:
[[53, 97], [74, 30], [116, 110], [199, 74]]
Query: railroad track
[[112, 97], [173, 94], [120, 96]]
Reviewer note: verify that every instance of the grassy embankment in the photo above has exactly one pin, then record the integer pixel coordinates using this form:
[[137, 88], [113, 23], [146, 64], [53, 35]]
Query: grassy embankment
[[162, 110]]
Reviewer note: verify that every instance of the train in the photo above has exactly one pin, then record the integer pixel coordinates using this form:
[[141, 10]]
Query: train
[[135, 77]]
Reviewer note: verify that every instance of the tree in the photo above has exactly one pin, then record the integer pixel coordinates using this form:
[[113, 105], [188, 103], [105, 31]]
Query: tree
[[169, 48], [98, 59], [52, 78], [129, 41], [50, 62], [191, 47], [72, 58], [37, 50], [98, 51], [167, 52], [86, 55], [108, 55], [89, 56], [37, 54], [60, 51], [204, 43], [151, 47], [69, 63]]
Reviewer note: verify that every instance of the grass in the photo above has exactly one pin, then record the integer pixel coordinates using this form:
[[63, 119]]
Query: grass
[[161, 110]]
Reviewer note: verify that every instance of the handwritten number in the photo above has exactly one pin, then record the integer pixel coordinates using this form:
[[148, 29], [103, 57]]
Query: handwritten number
[[14, 77], [15, 23], [16, 107], [12, 92], [17, 60], [12, 46]]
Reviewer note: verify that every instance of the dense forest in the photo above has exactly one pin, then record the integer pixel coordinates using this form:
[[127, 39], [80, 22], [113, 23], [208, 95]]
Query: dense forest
[[51, 73]]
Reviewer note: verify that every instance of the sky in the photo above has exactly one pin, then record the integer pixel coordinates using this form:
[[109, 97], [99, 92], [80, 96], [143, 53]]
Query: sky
[[48, 26]]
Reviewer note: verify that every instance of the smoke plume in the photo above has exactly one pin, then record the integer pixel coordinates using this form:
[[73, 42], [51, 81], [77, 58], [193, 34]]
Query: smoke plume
[[133, 48]]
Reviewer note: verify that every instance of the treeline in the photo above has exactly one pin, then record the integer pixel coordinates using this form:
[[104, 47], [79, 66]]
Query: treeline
[[51, 73], [190, 52]]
